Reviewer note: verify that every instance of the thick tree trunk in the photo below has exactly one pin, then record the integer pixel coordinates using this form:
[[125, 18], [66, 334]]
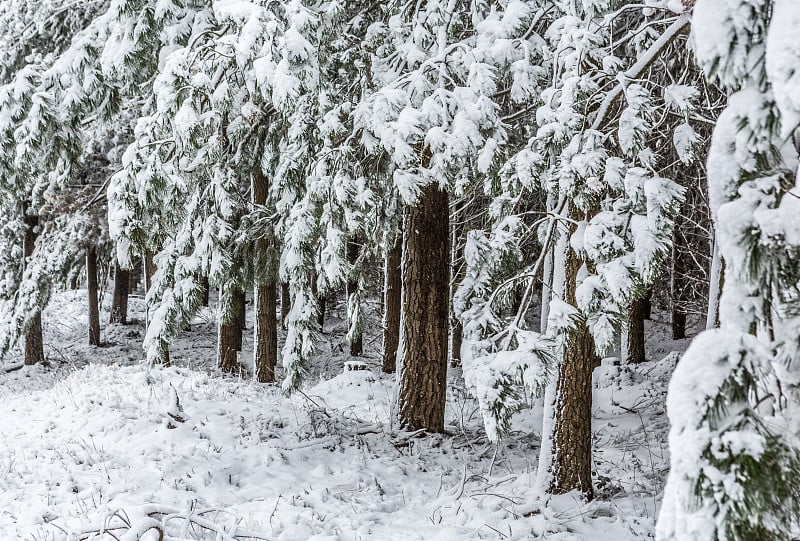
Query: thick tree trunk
[[34, 344], [94, 311], [647, 305], [426, 270], [286, 301], [678, 325], [392, 289], [265, 347], [635, 339], [356, 341], [226, 354], [240, 320], [119, 305], [571, 466], [230, 334], [266, 333]]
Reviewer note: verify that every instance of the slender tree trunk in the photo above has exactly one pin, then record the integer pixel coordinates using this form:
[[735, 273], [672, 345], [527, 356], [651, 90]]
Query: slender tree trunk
[[714, 288], [426, 307], [73, 282], [119, 305], [149, 270], [286, 301], [34, 344], [635, 339], [547, 274], [647, 304], [677, 287], [265, 347], [94, 311], [206, 290], [571, 460], [356, 341], [457, 271], [392, 289]]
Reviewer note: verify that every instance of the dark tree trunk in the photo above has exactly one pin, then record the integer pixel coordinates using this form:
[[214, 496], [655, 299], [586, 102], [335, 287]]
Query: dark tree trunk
[[572, 431], [266, 333], [392, 289], [266, 325], [635, 333], [119, 305], [240, 320], [34, 344], [678, 325], [94, 311], [357, 340], [647, 305], [678, 289], [149, 270], [227, 354], [73, 282], [206, 290], [286, 301], [426, 277]]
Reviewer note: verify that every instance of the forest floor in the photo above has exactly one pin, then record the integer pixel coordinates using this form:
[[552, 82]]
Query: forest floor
[[88, 442]]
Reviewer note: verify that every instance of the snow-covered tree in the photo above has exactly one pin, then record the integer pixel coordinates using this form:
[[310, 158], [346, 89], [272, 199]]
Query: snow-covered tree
[[733, 398]]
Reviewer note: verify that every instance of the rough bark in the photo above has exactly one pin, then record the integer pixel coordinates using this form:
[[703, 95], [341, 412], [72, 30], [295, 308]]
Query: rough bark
[[206, 290], [119, 304], [226, 353], [392, 289], [34, 344], [91, 287], [266, 333], [423, 379], [356, 342], [634, 352], [265, 350], [572, 432], [240, 320]]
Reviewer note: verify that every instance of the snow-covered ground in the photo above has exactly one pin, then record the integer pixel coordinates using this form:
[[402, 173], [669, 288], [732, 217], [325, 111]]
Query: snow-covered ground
[[93, 441]]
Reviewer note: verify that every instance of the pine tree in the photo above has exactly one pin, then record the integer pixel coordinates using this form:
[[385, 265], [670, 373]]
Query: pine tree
[[732, 398]]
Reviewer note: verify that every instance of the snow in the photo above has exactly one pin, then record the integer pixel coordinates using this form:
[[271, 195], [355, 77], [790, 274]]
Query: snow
[[96, 434]]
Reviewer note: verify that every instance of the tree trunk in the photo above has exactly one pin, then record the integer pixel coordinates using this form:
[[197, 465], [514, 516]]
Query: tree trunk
[[266, 333], [119, 305], [94, 311], [714, 288], [677, 283], [229, 334], [635, 339], [34, 344], [426, 270], [206, 290], [647, 304], [149, 270], [571, 465], [240, 319], [392, 289], [286, 301], [265, 347], [356, 338]]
